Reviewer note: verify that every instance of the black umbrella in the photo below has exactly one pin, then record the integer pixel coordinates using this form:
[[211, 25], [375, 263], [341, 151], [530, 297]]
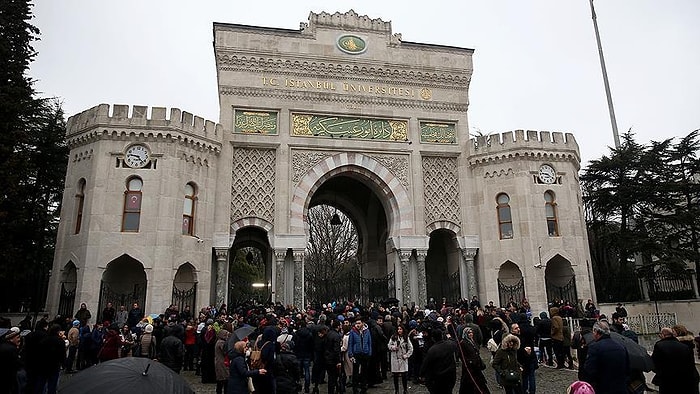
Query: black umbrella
[[639, 358], [132, 374], [243, 332]]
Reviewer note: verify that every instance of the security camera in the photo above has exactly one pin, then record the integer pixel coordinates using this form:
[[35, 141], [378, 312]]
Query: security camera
[[538, 265], [199, 240]]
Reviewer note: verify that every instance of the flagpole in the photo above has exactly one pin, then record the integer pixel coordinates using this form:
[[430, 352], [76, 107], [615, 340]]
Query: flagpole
[[611, 109]]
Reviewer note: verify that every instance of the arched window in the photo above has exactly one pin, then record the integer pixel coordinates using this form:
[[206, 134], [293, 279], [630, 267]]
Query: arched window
[[79, 202], [188, 210], [550, 209], [505, 222], [132, 205]]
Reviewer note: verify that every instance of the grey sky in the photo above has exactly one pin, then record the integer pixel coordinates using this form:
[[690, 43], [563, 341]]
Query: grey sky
[[535, 66]]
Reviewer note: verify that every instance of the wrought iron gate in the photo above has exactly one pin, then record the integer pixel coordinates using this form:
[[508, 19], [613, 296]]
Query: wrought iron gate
[[516, 291], [352, 286], [563, 293], [107, 294], [183, 298], [66, 301]]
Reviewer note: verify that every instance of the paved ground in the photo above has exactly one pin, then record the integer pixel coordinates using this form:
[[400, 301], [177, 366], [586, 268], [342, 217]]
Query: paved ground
[[549, 381]]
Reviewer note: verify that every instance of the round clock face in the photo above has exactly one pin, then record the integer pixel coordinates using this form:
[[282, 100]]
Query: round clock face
[[137, 156], [547, 174]]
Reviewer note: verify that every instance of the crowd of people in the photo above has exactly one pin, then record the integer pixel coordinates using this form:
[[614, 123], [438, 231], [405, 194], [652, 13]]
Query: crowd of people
[[347, 347]]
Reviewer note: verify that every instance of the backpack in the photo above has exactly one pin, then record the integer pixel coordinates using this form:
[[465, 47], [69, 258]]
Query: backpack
[[256, 361]]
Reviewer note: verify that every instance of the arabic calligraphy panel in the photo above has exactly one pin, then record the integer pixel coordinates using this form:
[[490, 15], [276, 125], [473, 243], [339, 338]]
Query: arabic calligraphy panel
[[255, 122], [349, 127], [439, 133]]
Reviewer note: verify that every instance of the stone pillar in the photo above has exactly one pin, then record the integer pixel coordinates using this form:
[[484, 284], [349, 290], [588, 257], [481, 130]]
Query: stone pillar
[[422, 285], [404, 259], [221, 276], [278, 284], [298, 289], [468, 288]]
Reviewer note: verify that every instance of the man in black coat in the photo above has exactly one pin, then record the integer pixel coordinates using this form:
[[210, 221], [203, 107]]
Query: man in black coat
[[674, 364], [439, 368], [304, 350], [172, 350], [607, 364], [331, 354]]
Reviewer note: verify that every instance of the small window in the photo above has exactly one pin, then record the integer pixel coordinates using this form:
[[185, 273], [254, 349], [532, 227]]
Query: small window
[[505, 222], [132, 205], [188, 210], [79, 202], [550, 209]]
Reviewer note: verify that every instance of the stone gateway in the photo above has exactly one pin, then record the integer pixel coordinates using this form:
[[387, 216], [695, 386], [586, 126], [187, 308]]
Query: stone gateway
[[341, 112]]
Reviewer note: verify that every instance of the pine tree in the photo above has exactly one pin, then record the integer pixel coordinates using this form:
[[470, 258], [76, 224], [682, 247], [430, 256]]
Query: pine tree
[[33, 158]]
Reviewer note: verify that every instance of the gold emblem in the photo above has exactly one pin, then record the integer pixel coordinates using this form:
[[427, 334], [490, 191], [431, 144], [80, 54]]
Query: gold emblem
[[351, 44], [426, 94]]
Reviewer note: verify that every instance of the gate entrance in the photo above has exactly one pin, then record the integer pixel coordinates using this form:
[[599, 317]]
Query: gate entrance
[[123, 283]]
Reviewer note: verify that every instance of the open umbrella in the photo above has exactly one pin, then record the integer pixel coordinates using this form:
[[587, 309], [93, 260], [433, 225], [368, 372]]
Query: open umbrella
[[639, 358], [129, 374], [243, 332]]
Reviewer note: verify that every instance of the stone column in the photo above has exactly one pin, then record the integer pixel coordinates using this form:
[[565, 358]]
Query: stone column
[[468, 255], [278, 293], [298, 290], [404, 258], [422, 285], [221, 275]]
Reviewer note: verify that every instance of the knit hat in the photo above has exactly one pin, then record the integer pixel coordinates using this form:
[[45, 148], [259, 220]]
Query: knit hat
[[76, 322], [149, 328], [543, 315], [580, 387]]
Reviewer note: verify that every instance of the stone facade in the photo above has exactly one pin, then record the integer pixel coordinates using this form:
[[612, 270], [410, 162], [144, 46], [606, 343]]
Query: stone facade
[[304, 114]]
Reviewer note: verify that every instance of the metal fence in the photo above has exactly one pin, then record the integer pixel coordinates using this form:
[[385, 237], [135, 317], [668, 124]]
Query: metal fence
[[644, 284], [643, 324], [506, 292], [351, 286]]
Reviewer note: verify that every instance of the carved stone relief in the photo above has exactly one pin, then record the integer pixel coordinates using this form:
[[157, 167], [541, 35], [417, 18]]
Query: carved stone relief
[[253, 187], [441, 189]]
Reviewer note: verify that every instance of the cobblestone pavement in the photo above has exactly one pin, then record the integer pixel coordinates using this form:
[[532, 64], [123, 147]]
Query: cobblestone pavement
[[549, 381]]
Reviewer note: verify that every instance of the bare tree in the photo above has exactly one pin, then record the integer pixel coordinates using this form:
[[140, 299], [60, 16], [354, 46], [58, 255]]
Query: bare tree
[[331, 253]]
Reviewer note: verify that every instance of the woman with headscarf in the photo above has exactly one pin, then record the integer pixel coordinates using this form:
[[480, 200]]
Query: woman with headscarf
[[473, 380], [220, 367], [238, 370]]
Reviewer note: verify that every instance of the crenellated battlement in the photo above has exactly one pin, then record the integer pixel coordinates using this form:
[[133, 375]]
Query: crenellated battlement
[[348, 20], [537, 142], [136, 117]]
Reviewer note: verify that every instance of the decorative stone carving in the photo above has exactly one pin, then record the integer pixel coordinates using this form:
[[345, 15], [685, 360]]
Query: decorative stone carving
[[441, 189], [468, 255], [405, 257], [303, 161], [253, 187], [422, 287], [397, 164], [221, 282]]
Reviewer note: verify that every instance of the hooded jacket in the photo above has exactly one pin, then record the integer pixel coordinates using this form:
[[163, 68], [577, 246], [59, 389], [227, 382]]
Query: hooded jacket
[[557, 324]]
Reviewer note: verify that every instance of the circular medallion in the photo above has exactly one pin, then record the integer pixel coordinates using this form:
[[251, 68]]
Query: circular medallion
[[426, 94], [351, 44]]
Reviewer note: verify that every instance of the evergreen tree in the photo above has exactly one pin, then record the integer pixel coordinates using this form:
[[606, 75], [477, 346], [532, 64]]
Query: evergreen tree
[[33, 157]]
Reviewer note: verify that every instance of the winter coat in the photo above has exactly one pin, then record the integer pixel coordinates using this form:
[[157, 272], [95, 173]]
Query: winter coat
[[172, 353], [303, 344], [331, 348], [287, 373], [506, 357], [607, 366], [439, 364], [400, 350], [53, 355], [347, 363], [557, 324], [238, 374], [674, 364], [220, 368], [110, 347], [359, 342]]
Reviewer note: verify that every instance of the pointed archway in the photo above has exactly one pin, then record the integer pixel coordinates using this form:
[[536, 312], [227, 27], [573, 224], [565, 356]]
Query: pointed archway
[[250, 266], [185, 288], [511, 285], [560, 280], [69, 282], [442, 267], [123, 283]]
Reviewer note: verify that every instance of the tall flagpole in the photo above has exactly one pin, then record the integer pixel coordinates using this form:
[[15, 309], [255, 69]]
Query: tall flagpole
[[611, 109]]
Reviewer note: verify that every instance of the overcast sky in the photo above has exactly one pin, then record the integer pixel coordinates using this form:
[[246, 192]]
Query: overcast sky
[[535, 63]]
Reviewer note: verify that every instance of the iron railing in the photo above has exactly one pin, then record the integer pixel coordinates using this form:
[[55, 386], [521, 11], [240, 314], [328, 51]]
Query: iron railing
[[515, 291]]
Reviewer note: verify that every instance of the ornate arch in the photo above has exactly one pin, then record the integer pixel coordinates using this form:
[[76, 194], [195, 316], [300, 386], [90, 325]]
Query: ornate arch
[[443, 225], [388, 187], [251, 221]]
